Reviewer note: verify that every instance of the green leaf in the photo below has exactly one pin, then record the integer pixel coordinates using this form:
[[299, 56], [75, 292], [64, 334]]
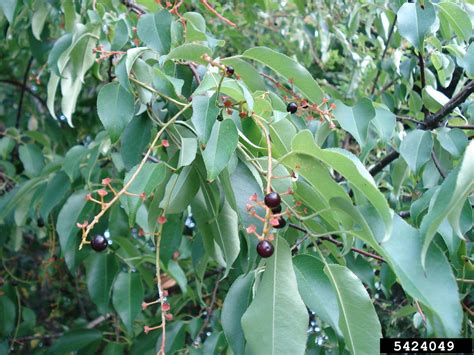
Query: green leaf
[[277, 319], [345, 163], [384, 122], [458, 19], [127, 297], [453, 140], [355, 119], [155, 30], [66, 226], [220, 147], [416, 149], [32, 159], [248, 74], [6, 146], [8, 8], [116, 108], [135, 138], [235, 304], [56, 190], [75, 340], [204, 116], [148, 178], [190, 51], [316, 289], [289, 69], [188, 151], [415, 22], [469, 61], [435, 286], [449, 200], [101, 270], [7, 316], [434, 99], [39, 18], [355, 308], [177, 273], [218, 227], [180, 190], [73, 159]]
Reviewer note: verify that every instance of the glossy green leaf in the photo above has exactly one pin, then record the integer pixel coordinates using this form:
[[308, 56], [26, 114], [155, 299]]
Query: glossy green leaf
[[75, 340], [190, 51], [116, 108], [66, 226], [8, 8], [180, 190], [204, 116], [188, 151], [135, 138], [73, 159], [316, 289], [101, 270], [434, 286], [288, 69], [127, 297], [384, 122], [220, 147], [55, 192], [148, 178], [155, 30], [32, 159], [277, 319], [458, 19], [38, 19], [414, 22], [453, 140], [469, 61], [249, 75], [449, 200], [7, 316], [416, 149], [355, 308], [355, 119], [345, 163], [235, 304]]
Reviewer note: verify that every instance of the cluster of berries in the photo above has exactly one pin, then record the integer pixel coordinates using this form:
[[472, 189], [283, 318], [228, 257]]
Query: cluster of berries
[[273, 201]]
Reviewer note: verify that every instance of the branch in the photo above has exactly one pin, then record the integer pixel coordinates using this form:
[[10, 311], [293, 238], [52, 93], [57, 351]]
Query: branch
[[339, 244], [468, 127], [130, 4], [22, 93], [211, 9], [384, 162], [437, 163], [27, 89], [209, 310], [379, 71], [432, 121]]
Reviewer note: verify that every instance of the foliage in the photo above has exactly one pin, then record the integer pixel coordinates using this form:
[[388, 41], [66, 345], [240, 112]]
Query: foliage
[[162, 126]]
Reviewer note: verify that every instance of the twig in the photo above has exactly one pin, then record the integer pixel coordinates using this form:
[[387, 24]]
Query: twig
[[133, 7], [437, 163], [195, 73], [433, 120], [209, 310], [22, 93], [211, 9], [404, 118], [467, 127], [467, 309], [390, 157], [423, 317], [389, 37], [106, 206], [421, 63], [468, 281], [338, 243], [27, 89], [153, 90], [94, 323]]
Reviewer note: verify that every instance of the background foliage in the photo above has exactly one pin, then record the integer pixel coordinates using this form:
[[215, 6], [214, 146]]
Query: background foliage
[[129, 102]]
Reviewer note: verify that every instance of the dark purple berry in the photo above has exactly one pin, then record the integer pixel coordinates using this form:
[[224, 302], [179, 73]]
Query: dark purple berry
[[229, 71], [276, 209], [265, 249], [40, 222], [99, 243], [272, 200], [281, 223], [292, 107]]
